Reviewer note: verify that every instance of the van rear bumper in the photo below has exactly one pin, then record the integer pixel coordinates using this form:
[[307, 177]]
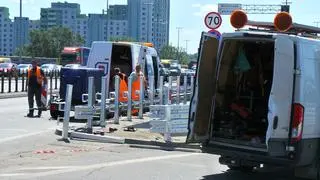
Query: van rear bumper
[[241, 156]]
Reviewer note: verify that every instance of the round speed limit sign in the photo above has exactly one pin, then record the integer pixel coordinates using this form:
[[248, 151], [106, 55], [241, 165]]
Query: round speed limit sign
[[213, 20]]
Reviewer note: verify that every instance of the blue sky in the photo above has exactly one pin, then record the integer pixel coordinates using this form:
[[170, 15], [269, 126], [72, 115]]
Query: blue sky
[[188, 14]]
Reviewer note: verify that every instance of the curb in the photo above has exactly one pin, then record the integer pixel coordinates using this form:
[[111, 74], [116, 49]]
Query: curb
[[150, 144]]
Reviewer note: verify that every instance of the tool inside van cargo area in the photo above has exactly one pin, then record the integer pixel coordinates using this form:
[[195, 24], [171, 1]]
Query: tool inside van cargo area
[[243, 92]]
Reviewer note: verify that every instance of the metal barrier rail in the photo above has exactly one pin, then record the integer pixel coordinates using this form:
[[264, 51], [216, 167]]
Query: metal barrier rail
[[166, 94], [17, 81]]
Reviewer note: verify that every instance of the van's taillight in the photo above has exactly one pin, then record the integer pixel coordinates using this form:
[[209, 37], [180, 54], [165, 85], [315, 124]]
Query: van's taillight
[[297, 122]]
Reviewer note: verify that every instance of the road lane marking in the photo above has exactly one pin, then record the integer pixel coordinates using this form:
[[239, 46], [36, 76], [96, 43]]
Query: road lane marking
[[20, 130], [68, 169], [24, 135]]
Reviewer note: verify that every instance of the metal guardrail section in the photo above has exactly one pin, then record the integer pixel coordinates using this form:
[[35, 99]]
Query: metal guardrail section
[[166, 94], [16, 81]]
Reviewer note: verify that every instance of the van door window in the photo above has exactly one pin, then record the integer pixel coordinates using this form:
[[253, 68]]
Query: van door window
[[156, 70]]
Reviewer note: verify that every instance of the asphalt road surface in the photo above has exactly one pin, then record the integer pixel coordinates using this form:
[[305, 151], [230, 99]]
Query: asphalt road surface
[[30, 150]]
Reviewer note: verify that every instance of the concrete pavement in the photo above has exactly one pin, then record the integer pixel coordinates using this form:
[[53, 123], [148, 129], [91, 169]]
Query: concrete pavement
[[29, 149], [13, 122]]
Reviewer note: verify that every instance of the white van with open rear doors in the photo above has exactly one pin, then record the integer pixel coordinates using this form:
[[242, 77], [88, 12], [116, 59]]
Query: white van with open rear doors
[[125, 55], [257, 96]]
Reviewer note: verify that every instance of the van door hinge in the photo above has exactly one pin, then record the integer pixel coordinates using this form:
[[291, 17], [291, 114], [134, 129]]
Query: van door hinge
[[297, 71]]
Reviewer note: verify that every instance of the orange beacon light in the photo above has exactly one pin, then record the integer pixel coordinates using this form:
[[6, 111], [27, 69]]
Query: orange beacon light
[[283, 21], [238, 19]]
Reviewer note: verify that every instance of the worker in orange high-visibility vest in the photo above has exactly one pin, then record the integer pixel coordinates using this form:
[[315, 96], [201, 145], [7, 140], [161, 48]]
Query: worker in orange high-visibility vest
[[35, 79], [135, 76], [123, 85]]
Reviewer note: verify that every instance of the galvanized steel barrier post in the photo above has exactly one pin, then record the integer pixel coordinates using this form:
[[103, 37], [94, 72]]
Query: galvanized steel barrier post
[[167, 134], [9, 79], [151, 87], [90, 101], [129, 98], [178, 90], [103, 101], [191, 85], [16, 79], [141, 98], [116, 99], [161, 90], [2, 83], [67, 109], [56, 79], [22, 78], [185, 86], [170, 90], [51, 74]]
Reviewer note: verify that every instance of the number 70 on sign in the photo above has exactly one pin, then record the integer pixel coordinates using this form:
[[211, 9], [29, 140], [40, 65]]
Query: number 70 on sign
[[213, 20]]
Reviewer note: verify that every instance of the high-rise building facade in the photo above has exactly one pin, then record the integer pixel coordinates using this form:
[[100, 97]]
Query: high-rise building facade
[[21, 31], [6, 33], [161, 18], [118, 12], [97, 28], [149, 21]]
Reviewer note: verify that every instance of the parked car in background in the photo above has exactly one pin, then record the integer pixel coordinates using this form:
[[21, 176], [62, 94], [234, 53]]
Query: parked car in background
[[58, 67], [164, 72], [74, 66], [23, 68], [48, 67], [7, 69], [189, 73], [175, 69]]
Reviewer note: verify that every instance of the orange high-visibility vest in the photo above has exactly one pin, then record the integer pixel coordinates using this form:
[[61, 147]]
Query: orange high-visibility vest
[[38, 75], [122, 88], [136, 87]]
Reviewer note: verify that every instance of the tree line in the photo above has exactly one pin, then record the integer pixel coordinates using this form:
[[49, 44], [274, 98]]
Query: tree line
[[49, 43]]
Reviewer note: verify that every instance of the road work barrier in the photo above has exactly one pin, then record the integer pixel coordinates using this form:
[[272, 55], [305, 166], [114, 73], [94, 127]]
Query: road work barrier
[[169, 115], [16, 81]]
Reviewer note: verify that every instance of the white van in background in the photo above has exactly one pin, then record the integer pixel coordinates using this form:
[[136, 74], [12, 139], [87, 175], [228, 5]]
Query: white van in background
[[125, 55]]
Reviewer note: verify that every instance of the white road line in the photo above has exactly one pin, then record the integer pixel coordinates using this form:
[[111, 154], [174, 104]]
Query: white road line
[[20, 130], [24, 135], [68, 169]]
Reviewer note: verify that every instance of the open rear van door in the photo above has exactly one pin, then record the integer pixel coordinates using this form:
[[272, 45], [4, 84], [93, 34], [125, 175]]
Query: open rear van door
[[100, 57], [280, 100], [204, 88]]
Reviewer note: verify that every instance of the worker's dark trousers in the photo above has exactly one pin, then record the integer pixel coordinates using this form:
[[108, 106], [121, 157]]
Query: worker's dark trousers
[[31, 93]]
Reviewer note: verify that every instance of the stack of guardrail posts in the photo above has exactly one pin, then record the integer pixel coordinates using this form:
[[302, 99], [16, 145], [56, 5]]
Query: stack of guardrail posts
[[169, 120]]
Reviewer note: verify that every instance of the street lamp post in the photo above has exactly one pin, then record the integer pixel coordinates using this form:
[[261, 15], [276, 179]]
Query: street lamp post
[[187, 45], [178, 28]]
